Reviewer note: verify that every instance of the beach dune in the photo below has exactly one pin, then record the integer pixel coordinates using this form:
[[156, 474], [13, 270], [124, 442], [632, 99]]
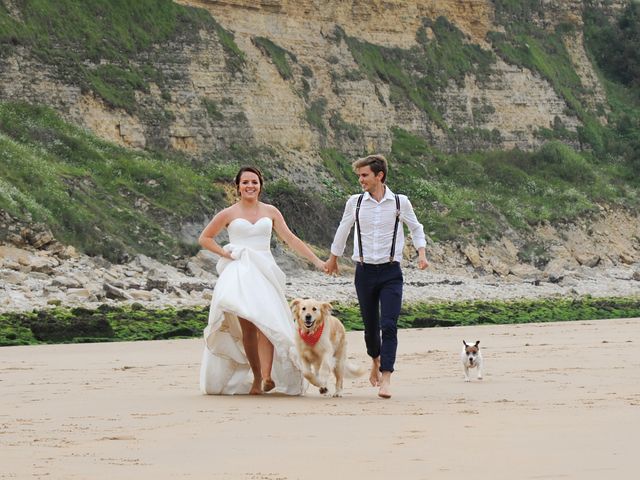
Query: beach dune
[[559, 400]]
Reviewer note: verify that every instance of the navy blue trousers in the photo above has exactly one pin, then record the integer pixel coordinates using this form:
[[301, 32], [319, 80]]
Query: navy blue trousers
[[379, 289]]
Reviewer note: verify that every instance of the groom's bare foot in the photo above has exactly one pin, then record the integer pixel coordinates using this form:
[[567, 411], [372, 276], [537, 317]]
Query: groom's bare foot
[[256, 387], [374, 377], [385, 385], [268, 385]]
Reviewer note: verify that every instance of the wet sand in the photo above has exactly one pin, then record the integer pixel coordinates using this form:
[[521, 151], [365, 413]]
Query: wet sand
[[558, 400]]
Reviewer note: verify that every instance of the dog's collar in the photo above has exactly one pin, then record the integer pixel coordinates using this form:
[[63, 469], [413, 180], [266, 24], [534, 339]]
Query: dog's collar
[[311, 338]]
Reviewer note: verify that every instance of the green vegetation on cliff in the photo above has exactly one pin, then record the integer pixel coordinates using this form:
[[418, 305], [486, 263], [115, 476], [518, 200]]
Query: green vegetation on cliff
[[480, 195], [102, 198], [484, 193], [418, 73], [108, 200], [278, 55], [111, 48], [615, 46], [615, 43]]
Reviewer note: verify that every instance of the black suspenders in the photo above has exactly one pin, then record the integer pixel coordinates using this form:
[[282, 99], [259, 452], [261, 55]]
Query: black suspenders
[[395, 228], [358, 228]]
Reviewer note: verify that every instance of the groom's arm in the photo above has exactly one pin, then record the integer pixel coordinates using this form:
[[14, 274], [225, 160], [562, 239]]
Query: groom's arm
[[341, 236], [417, 232]]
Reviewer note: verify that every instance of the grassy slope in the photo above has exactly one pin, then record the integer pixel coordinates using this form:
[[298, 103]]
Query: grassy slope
[[105, 199]]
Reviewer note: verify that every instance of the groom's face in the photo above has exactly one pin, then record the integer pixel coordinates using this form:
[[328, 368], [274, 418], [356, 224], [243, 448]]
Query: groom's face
[[368, 180]]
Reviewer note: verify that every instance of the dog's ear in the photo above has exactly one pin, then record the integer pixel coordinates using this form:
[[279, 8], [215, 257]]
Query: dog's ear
[[464, 343], [326, 308], [477, 343], [294, 303]]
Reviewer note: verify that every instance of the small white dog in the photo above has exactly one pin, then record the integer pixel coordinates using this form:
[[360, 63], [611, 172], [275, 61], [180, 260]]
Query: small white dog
[[471, 358]]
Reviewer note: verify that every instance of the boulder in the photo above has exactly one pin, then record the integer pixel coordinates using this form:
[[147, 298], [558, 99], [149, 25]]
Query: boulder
[[37, 239], [157, 280], [206, 260], [555, 270], [526, 272], [34, 263], [627, 258], [510, 248], [473, 255], [499, 267], [195, 270], [115, 293], [79, 294], [142, 295], [67, 282], [13, 277], [587, 259]]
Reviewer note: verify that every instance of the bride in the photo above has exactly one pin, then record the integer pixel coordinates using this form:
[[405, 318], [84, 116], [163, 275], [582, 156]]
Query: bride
[[249, 341]]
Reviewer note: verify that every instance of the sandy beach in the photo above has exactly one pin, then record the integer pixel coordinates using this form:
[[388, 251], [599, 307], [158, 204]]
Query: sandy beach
[[559, 400]]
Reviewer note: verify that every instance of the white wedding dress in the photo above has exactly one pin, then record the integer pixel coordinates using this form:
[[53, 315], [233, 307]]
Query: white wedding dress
[[252, 287]]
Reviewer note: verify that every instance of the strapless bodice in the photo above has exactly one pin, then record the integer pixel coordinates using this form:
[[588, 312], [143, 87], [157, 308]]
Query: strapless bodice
[[256, 236]]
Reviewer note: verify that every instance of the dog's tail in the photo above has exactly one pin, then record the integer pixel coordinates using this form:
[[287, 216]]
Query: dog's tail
[[353, 371]]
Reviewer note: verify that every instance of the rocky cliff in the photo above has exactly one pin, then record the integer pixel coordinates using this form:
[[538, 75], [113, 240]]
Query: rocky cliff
[[303, 80], [310, 84]]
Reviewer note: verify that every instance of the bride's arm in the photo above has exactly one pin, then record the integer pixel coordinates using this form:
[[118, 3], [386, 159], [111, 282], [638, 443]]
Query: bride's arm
[[297, 245], [206, 239]]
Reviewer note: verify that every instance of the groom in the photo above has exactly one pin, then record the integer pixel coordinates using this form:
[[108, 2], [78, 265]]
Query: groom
[[377, 249]]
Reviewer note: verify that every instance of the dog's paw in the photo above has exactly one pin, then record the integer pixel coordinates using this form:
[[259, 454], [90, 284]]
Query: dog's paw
[[467, 379], [324, 390], [479, 377], [338, 394]]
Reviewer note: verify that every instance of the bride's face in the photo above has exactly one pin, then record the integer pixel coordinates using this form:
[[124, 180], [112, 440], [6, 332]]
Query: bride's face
[[249, 185]]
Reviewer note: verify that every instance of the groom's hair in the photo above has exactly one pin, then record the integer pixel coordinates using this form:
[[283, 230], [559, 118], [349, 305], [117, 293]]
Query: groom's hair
[[248, 169], [377, 163]]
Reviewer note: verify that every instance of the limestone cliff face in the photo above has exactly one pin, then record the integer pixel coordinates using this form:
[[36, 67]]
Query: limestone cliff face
[[520, 101], [210, 107]]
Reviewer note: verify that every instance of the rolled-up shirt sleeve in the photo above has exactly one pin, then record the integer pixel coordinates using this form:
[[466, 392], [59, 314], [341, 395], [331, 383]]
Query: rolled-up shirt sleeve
[[342, 233], [415, 227]]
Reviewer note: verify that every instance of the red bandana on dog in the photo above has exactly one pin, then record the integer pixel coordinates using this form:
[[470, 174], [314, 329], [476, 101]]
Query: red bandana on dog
[[311, 338]]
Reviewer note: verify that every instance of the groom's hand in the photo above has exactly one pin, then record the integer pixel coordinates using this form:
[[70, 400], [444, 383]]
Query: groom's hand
[[422, 259], [331, 265]]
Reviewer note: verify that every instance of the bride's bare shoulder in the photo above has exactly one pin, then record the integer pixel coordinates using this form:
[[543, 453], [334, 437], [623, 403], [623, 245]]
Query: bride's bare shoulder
[[270, 210]]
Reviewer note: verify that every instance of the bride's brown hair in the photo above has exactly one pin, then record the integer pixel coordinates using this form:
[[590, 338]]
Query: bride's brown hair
[[248, 169]]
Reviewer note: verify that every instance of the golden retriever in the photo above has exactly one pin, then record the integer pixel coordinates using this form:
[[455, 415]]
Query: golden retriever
[[322, 345]]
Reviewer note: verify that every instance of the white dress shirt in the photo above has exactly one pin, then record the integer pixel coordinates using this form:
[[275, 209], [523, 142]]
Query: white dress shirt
[[377, 220]]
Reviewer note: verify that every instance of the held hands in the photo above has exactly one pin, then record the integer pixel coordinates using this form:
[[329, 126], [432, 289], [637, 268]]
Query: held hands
[[320, 265], [331, 266]]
